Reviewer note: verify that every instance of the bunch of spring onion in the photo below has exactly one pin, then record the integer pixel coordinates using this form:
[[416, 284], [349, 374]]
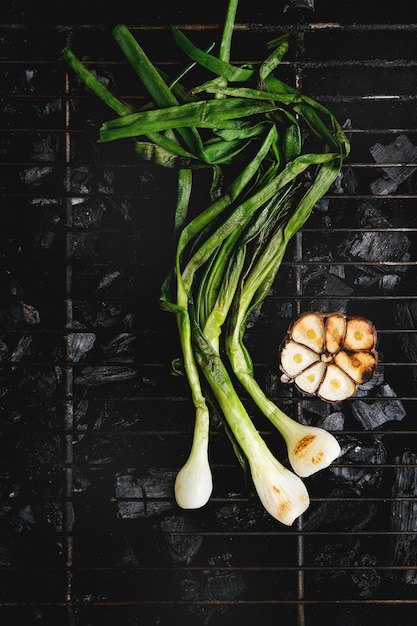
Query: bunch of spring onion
[[249, 129]]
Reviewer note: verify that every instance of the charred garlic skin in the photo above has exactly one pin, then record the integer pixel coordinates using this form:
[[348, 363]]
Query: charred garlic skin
[[329, 354]]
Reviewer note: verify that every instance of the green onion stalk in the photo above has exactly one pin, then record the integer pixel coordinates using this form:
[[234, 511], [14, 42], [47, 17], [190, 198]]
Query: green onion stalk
[[246, 126], [309, 448]]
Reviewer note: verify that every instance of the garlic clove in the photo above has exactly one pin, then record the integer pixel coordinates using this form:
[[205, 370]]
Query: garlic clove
[[359, 365], [309, 331], [336, 385], [309, 380], [335, 328], [360, 334], [296, 357]]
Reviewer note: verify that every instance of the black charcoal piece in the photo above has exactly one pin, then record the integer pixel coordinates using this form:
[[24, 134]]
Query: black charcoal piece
[[80, 344], [299, 4], [405, 316], [340, 513], [120, 345], [342, 553], [335, 421], [366, 578], [179, 538], [374, 247], [403, 544], [398, 153], [146, 495], [360, 464], [105, 374], [33, 176], [385, 408], [21, 348]]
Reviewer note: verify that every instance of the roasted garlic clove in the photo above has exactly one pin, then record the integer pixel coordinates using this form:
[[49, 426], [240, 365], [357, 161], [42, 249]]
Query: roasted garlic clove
[[336, 385], [310, 379], [328, 355], [360, 334], [295, 358], [360, 366], [335, 332], [309, 331]]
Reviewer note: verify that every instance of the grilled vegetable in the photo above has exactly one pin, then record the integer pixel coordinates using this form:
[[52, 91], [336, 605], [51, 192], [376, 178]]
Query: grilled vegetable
[[246, 126], [329, 355]]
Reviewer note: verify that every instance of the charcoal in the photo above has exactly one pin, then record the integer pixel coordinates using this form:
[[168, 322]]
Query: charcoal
[[402, 150], [224, 585], [273, 384], [335, 421], [80, 344], [345, 515], [30, 314], [405, 317], [374, 247], [79, 415], [342, 553], [14, 311], [319, 408], [356, 566], [183, 546], [45, 147], [374, 413], [25, 518], [299, 4], [179, 538], [6, 555], [235, 515], [4, 351], [320, 275], [121, 344], [387, 284], [45, 237], [83, 180], [21, 348], [352, 465], [81, 481], [105, 374], [403, 519], [109, 279], [86, 215], [365, 282], [366, 578], [383, 186], [146, 495], [349, 181], [83, 245], [337, 270], [110, 314], [34, 176], [325, 286], [126, 557]]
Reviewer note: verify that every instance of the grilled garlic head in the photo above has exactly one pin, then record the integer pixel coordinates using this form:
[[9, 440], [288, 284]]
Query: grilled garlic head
[[329, 354]]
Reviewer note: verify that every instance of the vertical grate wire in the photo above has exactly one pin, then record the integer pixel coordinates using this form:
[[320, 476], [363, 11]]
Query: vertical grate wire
[[68, 369]]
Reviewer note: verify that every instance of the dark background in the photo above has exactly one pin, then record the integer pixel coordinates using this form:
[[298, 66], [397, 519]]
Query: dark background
[[93, 426]]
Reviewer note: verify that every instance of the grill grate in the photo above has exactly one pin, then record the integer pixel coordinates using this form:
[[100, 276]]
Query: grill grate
[[93, 425]]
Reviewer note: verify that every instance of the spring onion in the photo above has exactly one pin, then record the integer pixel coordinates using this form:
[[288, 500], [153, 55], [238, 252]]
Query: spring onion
[[273, 153]]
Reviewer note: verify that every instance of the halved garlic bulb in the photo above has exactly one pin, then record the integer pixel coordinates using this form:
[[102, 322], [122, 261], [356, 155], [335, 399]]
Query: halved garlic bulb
[[328, 355]]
